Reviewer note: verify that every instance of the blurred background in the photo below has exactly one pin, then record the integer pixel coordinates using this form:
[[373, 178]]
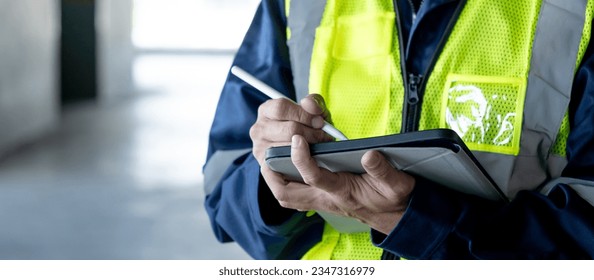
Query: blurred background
[[105, 107]]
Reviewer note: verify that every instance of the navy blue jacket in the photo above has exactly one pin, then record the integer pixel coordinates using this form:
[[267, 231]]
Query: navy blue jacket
[[438, 223]]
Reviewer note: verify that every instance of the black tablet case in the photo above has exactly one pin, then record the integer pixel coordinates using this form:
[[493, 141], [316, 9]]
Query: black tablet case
[[438, 155]]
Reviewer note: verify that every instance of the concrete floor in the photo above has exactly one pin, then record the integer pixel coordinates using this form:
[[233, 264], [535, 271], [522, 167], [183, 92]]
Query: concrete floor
[[120, 181]]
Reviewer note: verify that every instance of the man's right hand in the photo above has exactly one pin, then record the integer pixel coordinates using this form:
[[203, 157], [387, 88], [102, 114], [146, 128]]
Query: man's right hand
[[279, 119]]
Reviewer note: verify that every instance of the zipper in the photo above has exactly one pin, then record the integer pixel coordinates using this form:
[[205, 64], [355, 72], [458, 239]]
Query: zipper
[[411, 106], [415, 83], [413, 88], [412, 5], [401, 48]]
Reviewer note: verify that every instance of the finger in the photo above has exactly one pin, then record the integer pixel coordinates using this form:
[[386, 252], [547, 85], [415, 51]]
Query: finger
[[311, 173], [305, 197], [272, 178], [278, 184], [293, 195], [261, 139], [315, 105], [282, 131], [286, 110]]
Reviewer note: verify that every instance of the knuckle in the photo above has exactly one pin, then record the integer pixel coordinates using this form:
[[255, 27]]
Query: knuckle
[[257, 132], [254, 131], [279, 107], [263, 108], [270, 109]]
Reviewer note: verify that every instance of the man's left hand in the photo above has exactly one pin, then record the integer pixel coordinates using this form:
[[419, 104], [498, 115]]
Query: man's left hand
[[378, 197]]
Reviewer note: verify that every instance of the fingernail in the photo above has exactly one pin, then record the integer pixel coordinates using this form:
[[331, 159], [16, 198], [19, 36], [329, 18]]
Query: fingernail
[[318, 99], [375, 155], [372, 159], [317, 122]]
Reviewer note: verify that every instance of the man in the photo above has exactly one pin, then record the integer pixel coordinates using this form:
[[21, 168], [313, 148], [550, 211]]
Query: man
[[499, 73]]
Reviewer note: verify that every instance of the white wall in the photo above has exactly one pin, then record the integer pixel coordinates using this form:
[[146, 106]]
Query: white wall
[[29, 38]]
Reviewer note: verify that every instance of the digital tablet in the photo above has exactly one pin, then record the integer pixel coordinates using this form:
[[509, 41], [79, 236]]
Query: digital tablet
[[438, 155]]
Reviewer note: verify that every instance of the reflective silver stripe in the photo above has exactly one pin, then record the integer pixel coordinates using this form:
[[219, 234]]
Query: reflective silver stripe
[[584, 188], [217, 165], [304, 17], [556, 45], [552, 68], [502, 168]]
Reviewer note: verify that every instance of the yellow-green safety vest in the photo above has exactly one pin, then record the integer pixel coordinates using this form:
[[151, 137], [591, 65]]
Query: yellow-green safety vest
[[502, 81]]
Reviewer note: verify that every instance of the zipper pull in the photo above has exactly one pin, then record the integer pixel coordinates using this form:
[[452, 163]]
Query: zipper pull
[[413, 88]]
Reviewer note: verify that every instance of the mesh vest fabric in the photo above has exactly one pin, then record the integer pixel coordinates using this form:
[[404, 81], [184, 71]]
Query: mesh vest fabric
[[340, 246]]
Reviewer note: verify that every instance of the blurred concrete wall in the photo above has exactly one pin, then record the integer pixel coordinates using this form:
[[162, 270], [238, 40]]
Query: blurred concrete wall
[[29, 33], [115, 49], [30, 70]]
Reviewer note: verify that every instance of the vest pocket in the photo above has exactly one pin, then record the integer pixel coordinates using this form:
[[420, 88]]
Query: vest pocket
[[485, 111], [363, 36], [352, 67]]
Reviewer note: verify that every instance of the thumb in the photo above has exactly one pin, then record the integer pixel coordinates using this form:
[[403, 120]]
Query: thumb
[[377, 166], [315, 105]]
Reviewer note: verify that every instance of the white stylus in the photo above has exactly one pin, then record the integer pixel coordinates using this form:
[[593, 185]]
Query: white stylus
[[274, 94]]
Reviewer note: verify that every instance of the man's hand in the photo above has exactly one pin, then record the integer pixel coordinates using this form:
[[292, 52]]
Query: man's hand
[[377, 198], [279, 119]]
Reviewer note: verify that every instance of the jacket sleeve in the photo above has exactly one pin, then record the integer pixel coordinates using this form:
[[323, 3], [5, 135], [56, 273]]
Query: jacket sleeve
[[240, 206], [556, 223]]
